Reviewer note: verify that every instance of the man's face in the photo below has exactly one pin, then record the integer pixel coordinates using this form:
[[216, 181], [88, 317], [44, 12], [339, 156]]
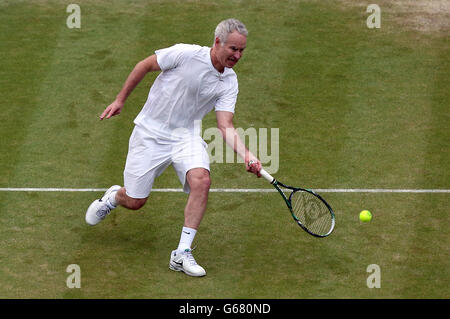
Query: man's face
[[230, 53]]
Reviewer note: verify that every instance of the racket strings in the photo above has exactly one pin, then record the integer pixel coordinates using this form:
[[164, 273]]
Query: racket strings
[[312, 212]]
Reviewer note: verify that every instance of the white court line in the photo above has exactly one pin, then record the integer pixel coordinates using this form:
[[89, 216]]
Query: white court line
[[235, 190]]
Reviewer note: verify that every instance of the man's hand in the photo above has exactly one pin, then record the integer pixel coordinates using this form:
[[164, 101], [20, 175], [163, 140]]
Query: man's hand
[[253, 165], [113, 109]]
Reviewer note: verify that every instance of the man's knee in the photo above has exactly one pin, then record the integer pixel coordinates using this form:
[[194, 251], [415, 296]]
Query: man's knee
[[199, 179]]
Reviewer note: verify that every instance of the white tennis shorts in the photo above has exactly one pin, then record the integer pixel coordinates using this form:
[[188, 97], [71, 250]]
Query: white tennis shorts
[[148, 157]]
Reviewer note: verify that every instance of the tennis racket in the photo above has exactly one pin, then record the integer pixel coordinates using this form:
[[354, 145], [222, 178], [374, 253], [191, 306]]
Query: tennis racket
[[309, 210]]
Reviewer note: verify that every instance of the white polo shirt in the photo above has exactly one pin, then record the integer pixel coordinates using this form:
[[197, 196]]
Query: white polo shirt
[[186, 90]]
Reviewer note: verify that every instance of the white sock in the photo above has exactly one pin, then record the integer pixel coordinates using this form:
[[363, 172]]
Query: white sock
[[186, 239], [112, 200]]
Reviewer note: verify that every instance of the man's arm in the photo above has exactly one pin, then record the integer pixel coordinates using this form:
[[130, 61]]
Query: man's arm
[[149, 64], [231, 137]]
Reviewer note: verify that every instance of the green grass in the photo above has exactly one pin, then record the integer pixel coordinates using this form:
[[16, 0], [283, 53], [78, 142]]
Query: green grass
[[356, 108]]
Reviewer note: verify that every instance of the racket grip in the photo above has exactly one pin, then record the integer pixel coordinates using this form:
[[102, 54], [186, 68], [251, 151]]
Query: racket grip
[[267, 175]]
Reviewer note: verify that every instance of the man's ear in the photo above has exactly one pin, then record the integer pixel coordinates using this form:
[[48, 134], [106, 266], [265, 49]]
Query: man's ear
[[217, 42]]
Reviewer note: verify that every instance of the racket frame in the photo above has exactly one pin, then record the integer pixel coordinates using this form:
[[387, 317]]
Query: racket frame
[[277, 185]]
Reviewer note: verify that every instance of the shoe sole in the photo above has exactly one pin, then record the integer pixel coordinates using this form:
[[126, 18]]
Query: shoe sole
[[175, 268], [180, 268], [87, 212]]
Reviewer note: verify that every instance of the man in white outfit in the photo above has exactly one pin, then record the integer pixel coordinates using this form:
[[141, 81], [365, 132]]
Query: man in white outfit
[[193, 81]]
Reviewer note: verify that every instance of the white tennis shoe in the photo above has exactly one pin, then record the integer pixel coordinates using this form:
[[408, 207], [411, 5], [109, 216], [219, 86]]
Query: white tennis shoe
[[100, 208], [185, 262]]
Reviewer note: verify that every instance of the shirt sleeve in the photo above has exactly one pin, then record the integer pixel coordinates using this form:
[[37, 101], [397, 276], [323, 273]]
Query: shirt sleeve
[[227, 101], [174, 56]]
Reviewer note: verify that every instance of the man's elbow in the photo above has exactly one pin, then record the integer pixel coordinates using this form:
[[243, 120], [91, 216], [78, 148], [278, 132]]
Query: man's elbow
[[149, 64], [225, 127]]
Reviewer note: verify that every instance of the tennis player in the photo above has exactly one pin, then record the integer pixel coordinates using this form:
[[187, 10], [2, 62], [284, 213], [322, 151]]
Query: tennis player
[[193, 81]]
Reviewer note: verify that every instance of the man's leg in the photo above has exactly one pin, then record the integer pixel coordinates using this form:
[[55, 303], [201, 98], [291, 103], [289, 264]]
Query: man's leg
[[199, 183], [181, 259], [126, 201], [114, 196]]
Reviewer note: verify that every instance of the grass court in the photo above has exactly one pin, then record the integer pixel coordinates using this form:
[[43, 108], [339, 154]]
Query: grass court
[[356, 108]]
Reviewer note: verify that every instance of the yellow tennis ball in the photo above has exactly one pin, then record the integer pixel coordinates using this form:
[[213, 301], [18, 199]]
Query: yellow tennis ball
[[365, 216]]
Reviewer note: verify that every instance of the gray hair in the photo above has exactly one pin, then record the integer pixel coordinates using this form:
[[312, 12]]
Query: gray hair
[[228, 26]]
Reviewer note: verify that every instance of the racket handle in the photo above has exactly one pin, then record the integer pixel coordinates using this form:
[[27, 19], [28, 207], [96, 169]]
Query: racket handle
[[267, 175]]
